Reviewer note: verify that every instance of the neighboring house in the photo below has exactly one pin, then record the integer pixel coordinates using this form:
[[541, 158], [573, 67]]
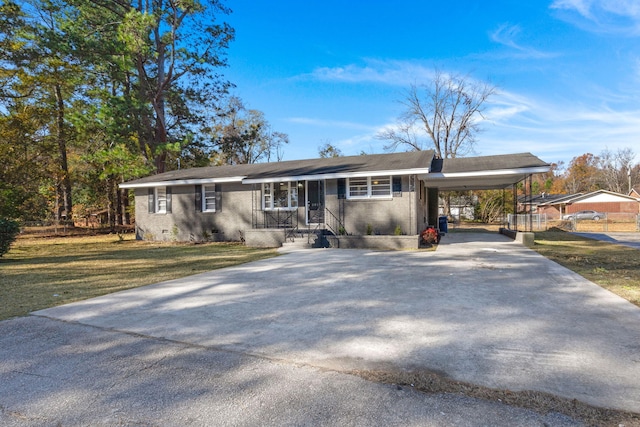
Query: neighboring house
[[635, 193], [357, 195], [615, 205], [551, 205]]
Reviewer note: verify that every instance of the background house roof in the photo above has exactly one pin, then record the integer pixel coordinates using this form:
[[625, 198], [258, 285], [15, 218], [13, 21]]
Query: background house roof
[[602, 196], [545, 199], [484, 172]]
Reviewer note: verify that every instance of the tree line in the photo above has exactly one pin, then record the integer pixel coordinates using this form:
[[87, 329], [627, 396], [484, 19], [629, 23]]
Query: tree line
[[96, 92]]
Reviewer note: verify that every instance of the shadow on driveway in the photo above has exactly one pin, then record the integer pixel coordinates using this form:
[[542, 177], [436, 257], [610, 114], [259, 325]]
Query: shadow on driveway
[[481, 309]]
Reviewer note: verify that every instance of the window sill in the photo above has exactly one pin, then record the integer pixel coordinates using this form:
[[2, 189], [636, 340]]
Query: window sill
[[373, 198]]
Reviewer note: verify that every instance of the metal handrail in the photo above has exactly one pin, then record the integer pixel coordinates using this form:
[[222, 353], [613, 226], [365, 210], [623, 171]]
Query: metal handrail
[[335, 225]]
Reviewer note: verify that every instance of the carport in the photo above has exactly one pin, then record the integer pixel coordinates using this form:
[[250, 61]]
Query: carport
[[499, 172]]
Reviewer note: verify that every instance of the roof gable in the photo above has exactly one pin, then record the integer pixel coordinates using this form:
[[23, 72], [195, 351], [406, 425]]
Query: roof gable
[[602, 196]]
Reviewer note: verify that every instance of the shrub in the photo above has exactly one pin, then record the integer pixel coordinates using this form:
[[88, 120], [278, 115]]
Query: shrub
[[430, 235], [398, 231], [9, 230]]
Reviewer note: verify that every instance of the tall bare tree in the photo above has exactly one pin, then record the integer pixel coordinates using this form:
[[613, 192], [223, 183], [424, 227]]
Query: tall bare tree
[[443, 114], [616, 169]]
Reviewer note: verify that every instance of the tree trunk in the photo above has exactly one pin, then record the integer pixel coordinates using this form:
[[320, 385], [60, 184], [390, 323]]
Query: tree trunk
[[65, 179]]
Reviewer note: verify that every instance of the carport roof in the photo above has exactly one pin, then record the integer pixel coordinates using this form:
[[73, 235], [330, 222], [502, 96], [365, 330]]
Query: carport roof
[[483, 173]]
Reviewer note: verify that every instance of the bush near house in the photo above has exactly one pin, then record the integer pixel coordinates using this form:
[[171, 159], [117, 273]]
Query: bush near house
[[430, 235], [9, 230]]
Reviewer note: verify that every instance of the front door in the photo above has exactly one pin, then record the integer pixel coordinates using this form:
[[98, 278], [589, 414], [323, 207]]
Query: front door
[[315, 202]]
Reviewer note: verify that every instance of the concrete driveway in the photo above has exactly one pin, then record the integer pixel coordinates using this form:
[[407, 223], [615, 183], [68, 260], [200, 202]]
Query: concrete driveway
[[481, 309], [630, 239]]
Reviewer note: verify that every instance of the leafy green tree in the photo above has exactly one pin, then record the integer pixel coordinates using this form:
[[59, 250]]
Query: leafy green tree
[[37, 70], [176, 49], [93, 92]]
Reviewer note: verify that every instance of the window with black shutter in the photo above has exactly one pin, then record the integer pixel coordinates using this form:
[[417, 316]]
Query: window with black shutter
[[198, 198], [397, 186]]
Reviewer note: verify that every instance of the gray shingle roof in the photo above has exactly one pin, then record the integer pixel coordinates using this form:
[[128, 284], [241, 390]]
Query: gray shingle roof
[[489, 163], [347, 165]]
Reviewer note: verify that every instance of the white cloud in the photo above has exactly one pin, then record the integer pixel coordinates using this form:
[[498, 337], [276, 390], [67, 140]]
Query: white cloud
[[610, 16], [507, 35], [556, 130], [391, 72]]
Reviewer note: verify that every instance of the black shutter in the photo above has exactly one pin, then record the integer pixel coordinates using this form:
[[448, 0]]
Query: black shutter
[[342, 188], [218, 197], [397, 185], [168, 199], [198, 197], [152, 200]]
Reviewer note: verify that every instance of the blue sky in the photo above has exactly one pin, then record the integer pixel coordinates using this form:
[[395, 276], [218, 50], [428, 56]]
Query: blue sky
[[568, 71]]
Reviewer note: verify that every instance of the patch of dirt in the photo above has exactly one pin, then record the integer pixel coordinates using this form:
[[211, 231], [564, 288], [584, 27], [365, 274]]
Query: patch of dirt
[[544, 403]]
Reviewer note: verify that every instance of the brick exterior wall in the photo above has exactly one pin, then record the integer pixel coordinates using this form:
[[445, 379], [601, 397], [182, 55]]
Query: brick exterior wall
[[184, 223], [235, 215], [406, 210], [608, 207]]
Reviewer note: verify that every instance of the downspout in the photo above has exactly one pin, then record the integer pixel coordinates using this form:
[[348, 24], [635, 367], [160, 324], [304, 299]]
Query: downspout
[[531, 202], [515, 206]]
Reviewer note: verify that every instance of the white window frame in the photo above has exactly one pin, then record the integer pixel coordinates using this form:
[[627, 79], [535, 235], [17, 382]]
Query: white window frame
[[204, 197], [268, 198], [160, 191], [370, 186]]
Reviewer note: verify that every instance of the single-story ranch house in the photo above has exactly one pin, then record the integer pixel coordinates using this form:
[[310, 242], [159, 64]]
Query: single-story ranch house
[[263, 204], [614, 205]]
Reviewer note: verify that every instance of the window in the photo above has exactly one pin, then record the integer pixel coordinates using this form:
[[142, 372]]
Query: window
[[380, 186], [358, 187], [159, 200], [369, 187], [280, 195], [209, 198]]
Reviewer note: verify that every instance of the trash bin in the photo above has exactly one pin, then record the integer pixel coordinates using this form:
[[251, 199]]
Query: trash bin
[[442, 224]]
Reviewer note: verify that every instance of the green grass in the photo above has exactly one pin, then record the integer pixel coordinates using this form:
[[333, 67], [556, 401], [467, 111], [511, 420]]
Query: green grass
[[614, 267], [38, 273]]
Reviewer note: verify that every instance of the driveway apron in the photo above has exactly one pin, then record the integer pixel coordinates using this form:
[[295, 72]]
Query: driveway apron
[[481, 309]]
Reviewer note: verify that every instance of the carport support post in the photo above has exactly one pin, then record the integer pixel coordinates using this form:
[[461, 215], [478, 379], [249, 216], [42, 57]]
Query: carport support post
[[530, 202], [432, 206], [505, 221], [515, 207]]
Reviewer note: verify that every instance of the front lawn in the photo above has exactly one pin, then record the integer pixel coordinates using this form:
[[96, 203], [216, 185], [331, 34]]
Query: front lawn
[[614, 267], [41, 272]]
